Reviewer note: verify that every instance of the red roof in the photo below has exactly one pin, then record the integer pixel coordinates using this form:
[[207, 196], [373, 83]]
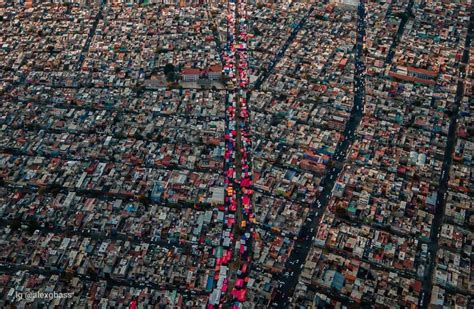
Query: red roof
[[422, 71], [215, 68], [190, 71], [411, 78]]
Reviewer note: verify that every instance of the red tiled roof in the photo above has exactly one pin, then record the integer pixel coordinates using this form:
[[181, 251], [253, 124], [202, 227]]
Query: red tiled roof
[[411, 78], [215, 68], [422, 71], [190, 71]]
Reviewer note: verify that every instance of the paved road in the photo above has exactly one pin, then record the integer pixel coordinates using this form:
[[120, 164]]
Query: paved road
[[443, 187], [101, 236], [304, 243], [258, 83], [11, 269], [91, 35], [98, 194], [64, 156], [241, 127], [401, 29], [228, 299], [92, 106]]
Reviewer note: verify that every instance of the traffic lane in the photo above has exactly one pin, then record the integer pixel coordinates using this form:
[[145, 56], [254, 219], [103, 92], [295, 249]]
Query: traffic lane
[[305, 240], [304, 243], [447, 162], [282, 50], [12, 269]]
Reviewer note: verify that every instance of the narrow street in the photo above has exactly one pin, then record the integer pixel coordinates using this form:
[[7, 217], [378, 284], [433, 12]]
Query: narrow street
[[401, 29], [101, 236], [261, 79], [90, 36], [13, 269], [240, 266], [230, 288], [236, 264]]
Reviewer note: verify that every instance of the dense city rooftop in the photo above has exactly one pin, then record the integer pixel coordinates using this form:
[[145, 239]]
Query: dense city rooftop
[[191, 154]]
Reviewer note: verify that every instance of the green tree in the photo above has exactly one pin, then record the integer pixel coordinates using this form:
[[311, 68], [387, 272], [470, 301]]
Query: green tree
[[169, 68], [16, 224]]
